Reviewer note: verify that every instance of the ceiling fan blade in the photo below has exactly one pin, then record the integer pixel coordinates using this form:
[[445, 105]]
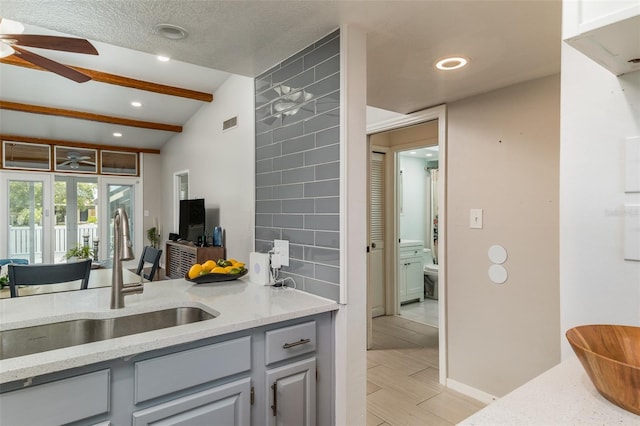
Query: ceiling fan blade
[[88, 163], [66, 163], [52, 66], [65, 44]]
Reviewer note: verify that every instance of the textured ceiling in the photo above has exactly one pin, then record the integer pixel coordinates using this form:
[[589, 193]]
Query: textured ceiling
[[507, 41]]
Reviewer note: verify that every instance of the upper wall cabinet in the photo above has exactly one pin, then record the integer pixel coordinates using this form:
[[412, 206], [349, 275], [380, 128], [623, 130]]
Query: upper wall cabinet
[[606, 31]]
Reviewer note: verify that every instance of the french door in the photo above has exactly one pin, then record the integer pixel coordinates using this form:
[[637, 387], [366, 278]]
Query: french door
[[42, 215], [125, 193], [26, 216], [75, 213]]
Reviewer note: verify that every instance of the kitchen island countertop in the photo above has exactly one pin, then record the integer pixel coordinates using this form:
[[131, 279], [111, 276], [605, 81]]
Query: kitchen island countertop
[[238, 305], [563, 395]]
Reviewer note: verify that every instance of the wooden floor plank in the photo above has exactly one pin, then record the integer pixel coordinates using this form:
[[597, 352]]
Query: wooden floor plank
[[403, 385]]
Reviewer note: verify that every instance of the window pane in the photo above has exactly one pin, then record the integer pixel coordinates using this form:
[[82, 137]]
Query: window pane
[[25, 220], [120, 196], [18, 155]]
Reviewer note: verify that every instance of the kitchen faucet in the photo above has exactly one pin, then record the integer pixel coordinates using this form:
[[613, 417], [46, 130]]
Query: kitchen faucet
[[121, 251]]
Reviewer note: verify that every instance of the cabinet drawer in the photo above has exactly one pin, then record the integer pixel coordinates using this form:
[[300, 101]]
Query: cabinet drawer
[[288, 342], [49, 403], [413, 251], [228, 404], [170, 373]]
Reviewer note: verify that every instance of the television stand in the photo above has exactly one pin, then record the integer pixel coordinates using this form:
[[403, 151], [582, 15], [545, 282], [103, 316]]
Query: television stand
[[180, 256]]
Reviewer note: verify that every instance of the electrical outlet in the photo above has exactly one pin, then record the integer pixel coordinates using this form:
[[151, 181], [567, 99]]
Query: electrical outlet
[[282, 249]]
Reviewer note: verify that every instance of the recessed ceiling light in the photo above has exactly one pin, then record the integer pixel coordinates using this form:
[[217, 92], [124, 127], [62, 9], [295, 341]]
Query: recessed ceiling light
[[412, 153], [136, 104], [117, 135], [162, 58], [172, 32], [428, 155], [451, 63]]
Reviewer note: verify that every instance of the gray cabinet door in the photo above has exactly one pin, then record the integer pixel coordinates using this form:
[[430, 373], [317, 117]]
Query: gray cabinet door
[[292, 394], [225, 405]]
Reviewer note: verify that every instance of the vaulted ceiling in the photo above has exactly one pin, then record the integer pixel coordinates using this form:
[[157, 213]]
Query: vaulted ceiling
[[506, 41]]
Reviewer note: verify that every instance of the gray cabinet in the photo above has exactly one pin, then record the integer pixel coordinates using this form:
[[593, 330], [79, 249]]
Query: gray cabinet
[[223, 380], [226, 405], [59, 402], [292, 394]]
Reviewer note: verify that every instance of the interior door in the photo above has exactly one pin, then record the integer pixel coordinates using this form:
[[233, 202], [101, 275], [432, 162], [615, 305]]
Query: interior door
[[376, 235]]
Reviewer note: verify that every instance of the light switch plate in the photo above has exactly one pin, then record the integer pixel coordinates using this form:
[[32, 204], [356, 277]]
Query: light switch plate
[[475, 218]]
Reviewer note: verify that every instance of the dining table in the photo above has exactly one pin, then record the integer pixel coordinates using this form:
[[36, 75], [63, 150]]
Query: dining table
[[100, 277]]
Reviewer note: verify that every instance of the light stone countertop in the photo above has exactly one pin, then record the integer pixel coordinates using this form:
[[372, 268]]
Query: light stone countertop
[[563, 395], [239, 305]]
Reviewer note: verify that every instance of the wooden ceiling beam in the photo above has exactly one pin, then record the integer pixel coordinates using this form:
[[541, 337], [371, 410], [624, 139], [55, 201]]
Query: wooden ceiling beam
[[81, 115], [75, 144], [119, 80]]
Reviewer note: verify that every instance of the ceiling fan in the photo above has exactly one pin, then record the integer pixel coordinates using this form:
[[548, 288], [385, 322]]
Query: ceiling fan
[[74, 159], [11, 40]]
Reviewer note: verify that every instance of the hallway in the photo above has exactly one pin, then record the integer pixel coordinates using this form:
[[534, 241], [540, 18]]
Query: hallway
[[402, 378]]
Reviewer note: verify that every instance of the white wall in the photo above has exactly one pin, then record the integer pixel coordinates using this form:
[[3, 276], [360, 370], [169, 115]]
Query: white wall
[[599, 110], [152, 204], [502, 157], [220, 164]]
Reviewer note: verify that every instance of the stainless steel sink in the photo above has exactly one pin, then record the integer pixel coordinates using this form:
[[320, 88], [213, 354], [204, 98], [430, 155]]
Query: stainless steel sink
[[57, 335]]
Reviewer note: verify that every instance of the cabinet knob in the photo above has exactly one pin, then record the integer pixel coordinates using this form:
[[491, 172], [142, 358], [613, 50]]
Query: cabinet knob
[[373, 245]]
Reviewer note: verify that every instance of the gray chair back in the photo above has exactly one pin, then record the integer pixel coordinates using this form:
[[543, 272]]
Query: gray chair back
[[39, 274], [150, 255]]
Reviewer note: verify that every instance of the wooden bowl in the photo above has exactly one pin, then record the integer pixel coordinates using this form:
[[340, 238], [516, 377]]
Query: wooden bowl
[[610, 354]]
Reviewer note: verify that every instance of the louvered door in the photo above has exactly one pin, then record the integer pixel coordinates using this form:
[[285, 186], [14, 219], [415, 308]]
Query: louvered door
[[376, 234]]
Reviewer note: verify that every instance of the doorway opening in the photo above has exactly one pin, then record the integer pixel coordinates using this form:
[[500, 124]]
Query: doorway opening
[[413, 195]]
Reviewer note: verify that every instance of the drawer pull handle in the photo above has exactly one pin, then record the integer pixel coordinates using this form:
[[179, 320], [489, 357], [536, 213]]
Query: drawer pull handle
[[299, 342]]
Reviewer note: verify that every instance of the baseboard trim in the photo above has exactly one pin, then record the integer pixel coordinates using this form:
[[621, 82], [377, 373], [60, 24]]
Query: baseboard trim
[[471, 391]]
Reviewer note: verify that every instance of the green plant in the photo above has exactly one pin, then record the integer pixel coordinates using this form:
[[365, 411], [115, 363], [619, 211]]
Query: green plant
[[82, 252], [153, 237]]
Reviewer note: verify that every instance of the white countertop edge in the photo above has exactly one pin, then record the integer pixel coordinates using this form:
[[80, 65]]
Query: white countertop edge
[[563, 395], [235, 314]]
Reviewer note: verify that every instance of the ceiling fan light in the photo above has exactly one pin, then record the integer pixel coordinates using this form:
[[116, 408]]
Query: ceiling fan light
[[7, 26], [74, 165]]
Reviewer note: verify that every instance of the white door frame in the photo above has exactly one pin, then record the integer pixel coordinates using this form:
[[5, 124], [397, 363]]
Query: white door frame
[[436, 113], [138, 231]]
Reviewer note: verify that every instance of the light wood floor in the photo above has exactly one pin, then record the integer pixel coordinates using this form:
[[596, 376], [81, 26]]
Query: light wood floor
[[402, 378]]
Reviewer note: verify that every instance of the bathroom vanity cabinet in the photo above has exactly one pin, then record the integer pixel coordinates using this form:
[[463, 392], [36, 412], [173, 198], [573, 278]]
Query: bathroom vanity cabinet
[[280, 373], [410, 272]]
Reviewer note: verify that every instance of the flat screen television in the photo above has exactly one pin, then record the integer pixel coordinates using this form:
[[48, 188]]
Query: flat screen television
[[192, 219]]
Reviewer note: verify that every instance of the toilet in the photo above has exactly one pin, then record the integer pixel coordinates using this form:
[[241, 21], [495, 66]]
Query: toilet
[[430, 274]]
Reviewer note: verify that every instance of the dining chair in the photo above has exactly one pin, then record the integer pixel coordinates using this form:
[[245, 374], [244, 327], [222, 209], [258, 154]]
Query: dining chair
[[39, 274], [150, 255]]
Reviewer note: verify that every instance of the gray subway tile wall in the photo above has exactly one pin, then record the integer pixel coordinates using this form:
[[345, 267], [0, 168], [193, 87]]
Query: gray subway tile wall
[[298, 164]]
